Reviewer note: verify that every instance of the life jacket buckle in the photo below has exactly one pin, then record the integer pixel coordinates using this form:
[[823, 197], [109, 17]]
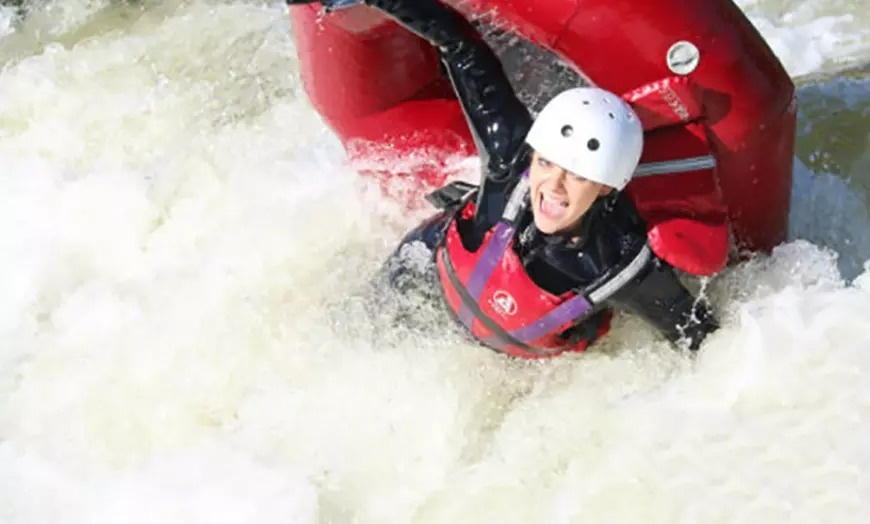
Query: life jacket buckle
[[450, 195]]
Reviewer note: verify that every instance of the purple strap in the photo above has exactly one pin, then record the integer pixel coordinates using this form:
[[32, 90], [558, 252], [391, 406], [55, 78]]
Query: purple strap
[[565, 312], [491, 256]]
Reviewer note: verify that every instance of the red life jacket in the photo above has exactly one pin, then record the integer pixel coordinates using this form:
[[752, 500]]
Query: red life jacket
[[491, 294]]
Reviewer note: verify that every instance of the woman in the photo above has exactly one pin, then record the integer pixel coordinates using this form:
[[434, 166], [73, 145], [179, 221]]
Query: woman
[[533, 260]]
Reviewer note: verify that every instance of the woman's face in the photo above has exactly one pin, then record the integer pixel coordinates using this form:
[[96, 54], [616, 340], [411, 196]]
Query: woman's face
[[560, 198]]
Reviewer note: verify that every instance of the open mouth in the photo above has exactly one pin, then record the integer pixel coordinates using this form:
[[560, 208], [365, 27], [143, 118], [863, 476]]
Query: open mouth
[[552, 207]]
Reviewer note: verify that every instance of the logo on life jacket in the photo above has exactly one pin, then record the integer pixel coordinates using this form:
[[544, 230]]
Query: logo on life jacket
[[503, 303]]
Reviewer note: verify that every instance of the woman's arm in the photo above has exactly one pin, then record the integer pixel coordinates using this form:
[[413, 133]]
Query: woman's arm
[[498, 120], [657, 296]]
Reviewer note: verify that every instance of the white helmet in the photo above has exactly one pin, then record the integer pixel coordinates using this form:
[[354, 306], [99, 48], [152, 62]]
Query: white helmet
[[590, 132]]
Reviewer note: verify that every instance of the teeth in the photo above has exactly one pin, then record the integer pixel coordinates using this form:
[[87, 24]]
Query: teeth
[[555, 202]]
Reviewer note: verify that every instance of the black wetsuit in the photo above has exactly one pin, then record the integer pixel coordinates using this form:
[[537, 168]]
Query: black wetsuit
[[611, 232]]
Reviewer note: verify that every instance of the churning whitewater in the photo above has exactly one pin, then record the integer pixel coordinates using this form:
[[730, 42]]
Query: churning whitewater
[[184, 339]]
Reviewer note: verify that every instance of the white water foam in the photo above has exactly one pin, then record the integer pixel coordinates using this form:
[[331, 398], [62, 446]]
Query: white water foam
[[180, 338]]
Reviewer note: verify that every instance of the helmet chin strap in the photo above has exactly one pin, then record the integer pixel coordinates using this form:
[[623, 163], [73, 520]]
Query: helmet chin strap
[[581, 228], [609, 199]]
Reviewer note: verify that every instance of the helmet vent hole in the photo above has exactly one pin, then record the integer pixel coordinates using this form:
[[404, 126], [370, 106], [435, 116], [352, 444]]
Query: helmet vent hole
[[586, 102], [567, 131], [593, 144], [611, 116]]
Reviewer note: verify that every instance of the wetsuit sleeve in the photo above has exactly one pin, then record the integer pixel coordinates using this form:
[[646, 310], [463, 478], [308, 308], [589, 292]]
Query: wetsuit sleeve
[[498, 120], [656, 295]]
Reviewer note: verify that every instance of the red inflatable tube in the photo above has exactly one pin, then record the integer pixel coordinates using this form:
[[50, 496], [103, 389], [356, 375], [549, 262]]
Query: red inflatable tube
[[718, 107]]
